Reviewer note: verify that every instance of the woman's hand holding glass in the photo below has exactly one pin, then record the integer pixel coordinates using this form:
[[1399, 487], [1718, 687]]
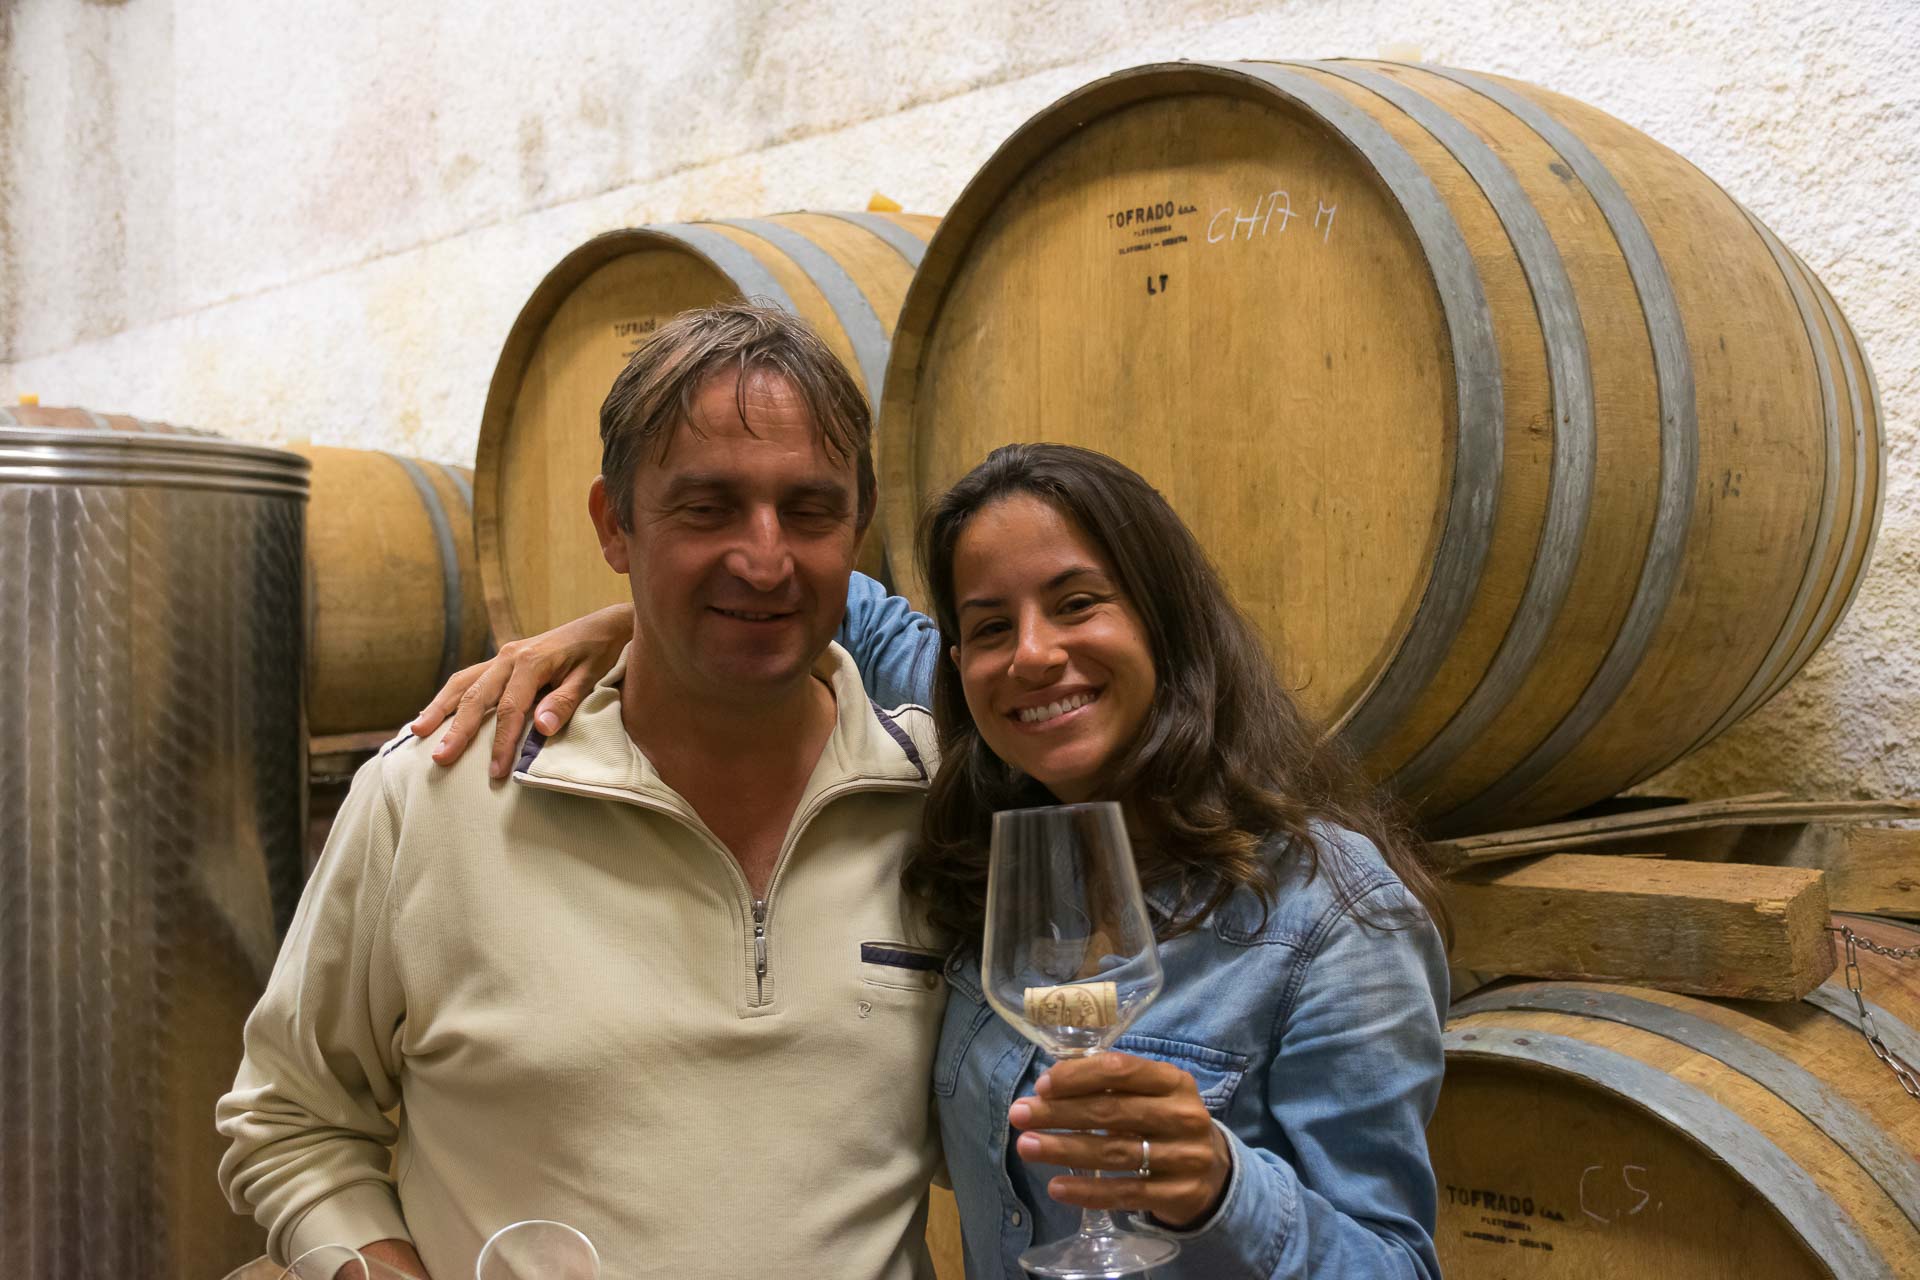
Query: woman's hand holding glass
[[1118, 1108], [1069, 961]]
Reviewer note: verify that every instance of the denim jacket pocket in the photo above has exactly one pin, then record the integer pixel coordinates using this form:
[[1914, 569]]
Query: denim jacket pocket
[[1216, 1072]]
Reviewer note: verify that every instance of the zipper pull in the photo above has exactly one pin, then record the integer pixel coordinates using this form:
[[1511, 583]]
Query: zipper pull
[[760, 939]]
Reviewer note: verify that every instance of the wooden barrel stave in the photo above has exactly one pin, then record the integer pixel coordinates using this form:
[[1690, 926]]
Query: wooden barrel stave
[[1724, 1106], [1604, 426], [1547, 476], [1863, 466], [1744, 422], [392, 585], [843, 272], [1617, 601]]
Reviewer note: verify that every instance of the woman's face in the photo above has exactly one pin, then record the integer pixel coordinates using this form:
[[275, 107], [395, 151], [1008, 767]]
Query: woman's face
[[1052, 655]]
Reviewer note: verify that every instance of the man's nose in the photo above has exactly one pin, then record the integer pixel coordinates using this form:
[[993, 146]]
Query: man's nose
[[760, 557]]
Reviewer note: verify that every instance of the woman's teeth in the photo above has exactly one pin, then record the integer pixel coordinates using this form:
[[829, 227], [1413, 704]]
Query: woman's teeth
[[1040, 715]]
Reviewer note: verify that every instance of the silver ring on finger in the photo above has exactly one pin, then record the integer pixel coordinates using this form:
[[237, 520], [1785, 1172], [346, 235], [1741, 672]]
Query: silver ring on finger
[[1146, 1160]]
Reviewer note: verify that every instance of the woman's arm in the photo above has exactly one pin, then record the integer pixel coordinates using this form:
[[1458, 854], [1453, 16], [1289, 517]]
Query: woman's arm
[[570, 658], [893, 646], [1354, 1078]]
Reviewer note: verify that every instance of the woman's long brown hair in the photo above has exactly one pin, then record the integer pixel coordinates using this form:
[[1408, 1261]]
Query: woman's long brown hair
[[1223, 764]]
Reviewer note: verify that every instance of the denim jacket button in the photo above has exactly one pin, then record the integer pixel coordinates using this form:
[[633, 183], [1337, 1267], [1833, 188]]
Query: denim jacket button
[[1014, 1217]]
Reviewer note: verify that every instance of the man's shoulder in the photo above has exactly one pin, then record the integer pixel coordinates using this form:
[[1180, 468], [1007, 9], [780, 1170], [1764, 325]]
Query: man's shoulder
[[915, 723], [405, 770]]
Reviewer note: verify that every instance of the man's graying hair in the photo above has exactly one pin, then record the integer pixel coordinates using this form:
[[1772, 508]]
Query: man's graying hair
[[654, 394]]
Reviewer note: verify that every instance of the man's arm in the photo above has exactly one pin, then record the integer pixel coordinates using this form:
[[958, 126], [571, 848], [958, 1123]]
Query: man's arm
[[309, 1156]]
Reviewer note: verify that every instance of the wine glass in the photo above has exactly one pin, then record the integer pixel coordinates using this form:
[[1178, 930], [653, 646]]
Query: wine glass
[[1069, 961], [339, 1262], [538, 1249]]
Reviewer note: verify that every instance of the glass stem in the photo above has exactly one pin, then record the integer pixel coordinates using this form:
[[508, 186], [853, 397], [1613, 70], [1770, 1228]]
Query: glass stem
[[1095, 1222]]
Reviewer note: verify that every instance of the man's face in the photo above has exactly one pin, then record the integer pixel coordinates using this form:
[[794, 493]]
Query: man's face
[[741, 545]]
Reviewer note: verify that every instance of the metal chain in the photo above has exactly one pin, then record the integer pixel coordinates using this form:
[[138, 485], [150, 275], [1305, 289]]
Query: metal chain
[[1903, 1071]]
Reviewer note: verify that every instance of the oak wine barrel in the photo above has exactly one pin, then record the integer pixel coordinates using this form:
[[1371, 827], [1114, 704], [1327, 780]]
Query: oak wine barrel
[[1592, 1129], [845, 273], [1538, 458], [66, 418], [394, 605]]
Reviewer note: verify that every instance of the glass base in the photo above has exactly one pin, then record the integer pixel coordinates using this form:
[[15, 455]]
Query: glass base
[[1098, 1257]]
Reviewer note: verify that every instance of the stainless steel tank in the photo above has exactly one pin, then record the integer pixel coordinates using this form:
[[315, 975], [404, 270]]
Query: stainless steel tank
[[151, 761]]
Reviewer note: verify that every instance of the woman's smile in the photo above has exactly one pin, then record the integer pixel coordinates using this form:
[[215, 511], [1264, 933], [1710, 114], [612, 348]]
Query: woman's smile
[[1050, 714]]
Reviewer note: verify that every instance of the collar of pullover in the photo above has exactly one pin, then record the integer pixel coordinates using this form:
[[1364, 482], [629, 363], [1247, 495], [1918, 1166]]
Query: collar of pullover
[[595, 754]]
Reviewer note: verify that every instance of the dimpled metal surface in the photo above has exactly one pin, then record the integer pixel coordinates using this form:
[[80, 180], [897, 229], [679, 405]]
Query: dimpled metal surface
[[151, 757]]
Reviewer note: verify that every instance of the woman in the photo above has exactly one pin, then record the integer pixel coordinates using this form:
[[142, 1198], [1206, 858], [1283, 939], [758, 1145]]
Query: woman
[[1272, 1103]]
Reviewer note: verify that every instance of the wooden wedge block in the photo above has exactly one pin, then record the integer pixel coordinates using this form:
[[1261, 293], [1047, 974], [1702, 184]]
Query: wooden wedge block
[[1870, 870], [1877, 871], [1756, 933]]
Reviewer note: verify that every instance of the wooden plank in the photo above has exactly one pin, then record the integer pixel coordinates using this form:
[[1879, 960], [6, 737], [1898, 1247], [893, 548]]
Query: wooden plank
[[1739, 811], [1878, 872], [1870, 870], [943, 1235], [1755, 933]]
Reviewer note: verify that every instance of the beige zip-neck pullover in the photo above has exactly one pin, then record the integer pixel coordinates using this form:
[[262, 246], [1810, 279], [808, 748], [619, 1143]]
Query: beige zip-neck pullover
[[566, 986]]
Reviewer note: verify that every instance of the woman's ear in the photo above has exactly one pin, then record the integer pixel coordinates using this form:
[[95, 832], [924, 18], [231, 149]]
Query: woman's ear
[[953, 655]]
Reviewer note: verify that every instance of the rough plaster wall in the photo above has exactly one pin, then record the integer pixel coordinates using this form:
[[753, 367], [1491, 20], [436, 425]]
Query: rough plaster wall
[[318, 219]]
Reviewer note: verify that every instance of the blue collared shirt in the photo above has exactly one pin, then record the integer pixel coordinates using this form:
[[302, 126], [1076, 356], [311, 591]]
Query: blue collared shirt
[[1314, 1039]]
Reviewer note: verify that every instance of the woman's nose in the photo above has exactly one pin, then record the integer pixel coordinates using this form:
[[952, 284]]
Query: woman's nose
[[1038, 653]]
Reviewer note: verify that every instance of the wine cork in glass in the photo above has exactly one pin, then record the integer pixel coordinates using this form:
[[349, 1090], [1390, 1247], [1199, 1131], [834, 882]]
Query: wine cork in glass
[[1079, 1004]]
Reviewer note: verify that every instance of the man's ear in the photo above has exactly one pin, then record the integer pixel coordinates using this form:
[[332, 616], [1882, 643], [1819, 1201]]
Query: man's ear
[[606, 524]]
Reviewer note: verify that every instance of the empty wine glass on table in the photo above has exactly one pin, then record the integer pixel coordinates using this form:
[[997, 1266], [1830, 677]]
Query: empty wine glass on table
[[1069, 961], [538, 1249]]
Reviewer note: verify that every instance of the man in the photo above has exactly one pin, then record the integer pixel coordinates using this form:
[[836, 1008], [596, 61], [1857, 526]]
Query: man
[[657, 985]]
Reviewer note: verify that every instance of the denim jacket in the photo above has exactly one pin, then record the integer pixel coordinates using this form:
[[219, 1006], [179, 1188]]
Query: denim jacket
[[1314, 1039], [1315, 1042], [893, 646]]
